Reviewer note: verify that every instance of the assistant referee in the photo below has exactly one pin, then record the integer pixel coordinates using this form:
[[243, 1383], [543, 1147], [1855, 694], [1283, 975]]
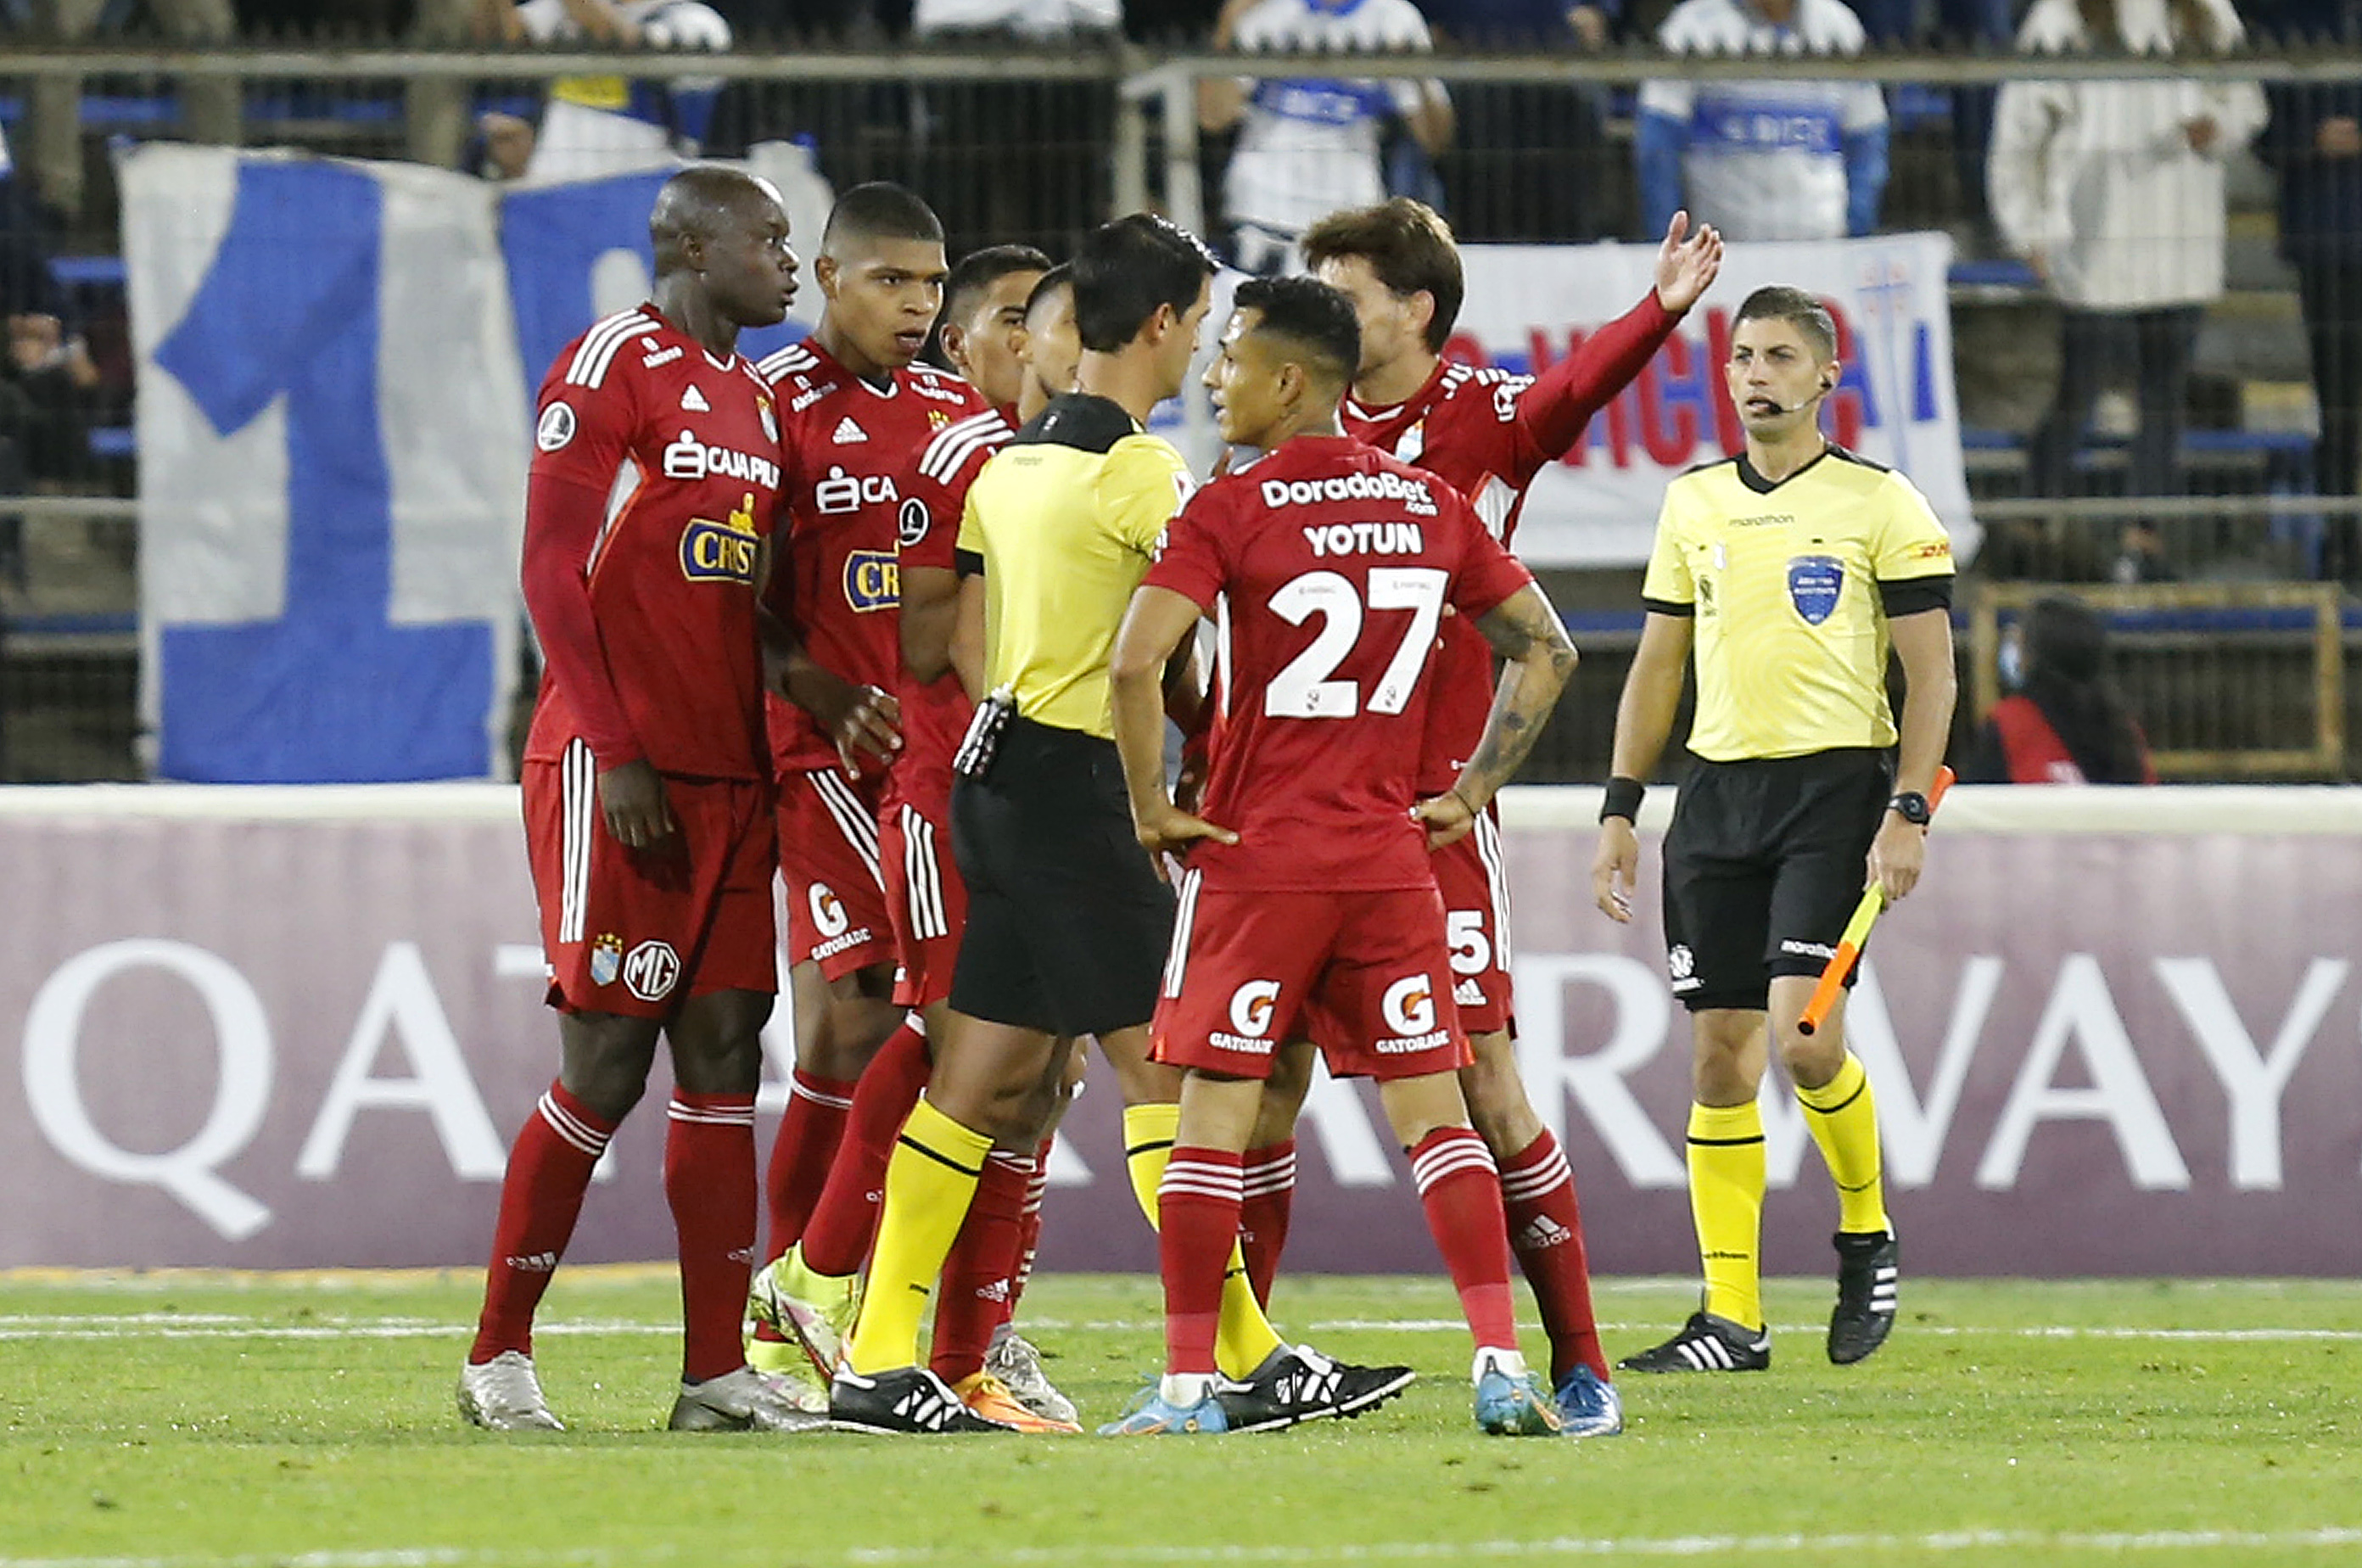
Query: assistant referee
[[1790, 570], [1067, 924]]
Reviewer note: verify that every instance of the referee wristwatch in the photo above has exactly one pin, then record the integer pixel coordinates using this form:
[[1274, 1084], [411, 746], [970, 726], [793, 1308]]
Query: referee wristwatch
[[1911, 806]]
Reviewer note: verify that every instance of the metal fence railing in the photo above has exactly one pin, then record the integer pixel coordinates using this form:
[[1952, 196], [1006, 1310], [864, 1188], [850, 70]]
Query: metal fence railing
[[1036, 144]]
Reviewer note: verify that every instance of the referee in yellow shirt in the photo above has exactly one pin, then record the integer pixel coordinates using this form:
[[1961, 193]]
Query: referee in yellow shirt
[[1789, 571], [1068, 924]]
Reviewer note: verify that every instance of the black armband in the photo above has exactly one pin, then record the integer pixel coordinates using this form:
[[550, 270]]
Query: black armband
[[967, 563], [1623, 799], [1914, 595]]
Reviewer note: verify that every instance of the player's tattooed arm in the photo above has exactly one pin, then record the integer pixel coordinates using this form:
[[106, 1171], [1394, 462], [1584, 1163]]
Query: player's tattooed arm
[[1529, 636]]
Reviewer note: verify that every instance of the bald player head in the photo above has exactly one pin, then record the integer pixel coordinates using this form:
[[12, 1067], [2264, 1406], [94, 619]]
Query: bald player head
[[723, 258], [881, 265]]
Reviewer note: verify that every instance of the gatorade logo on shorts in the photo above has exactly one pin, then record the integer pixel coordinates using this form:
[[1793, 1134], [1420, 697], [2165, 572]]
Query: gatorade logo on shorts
[[828, 915], [1252, 1006], [1409, 1005]]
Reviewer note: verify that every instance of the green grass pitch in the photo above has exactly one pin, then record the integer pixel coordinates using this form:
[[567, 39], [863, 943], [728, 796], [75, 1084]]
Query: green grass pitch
[[218, 1421]]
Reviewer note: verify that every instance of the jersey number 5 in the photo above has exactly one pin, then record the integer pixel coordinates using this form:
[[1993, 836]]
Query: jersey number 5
[[1305, 690]]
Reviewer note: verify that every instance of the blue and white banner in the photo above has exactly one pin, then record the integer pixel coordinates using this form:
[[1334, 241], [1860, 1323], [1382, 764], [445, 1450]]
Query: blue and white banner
[[1528, 307], [336, 362], [332, 477]]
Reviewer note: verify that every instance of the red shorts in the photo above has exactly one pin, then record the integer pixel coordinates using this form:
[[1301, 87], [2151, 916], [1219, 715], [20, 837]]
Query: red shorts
[[828, 854], [926, 898], [1247, 967], [638, 931], [1475, 888]]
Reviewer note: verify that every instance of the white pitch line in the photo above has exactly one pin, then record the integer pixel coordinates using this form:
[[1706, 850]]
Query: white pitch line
[[1933, 1543], [1818, 1546], [170, 1326]]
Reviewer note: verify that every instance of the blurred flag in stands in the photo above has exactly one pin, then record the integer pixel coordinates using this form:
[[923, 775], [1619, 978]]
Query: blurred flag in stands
[[332, 467]]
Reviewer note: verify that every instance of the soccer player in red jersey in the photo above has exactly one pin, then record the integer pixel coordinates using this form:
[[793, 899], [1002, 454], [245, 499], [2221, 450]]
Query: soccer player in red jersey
[[1327, 568], [815, 1288], [853, 410], [646, 786], [1487, 433]]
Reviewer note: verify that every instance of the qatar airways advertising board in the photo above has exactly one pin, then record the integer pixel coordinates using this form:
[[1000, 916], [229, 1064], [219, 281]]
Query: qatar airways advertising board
[[1530, 307], [281, 1028]]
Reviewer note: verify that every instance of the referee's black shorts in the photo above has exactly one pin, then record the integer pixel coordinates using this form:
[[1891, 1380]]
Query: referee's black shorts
[[1764, 862], [1068, 924]]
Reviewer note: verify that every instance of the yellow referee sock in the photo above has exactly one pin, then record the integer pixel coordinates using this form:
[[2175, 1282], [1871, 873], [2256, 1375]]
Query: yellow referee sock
[[1725, 1157], [1844, 1122], [929, 1182], [1243, 1336]]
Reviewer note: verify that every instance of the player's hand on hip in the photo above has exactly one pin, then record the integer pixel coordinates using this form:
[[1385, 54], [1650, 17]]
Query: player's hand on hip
[[631, 798], [1446, 817], [1897, 855], [1615, 869], [1171, 831], [870, 725], [1687, 263]]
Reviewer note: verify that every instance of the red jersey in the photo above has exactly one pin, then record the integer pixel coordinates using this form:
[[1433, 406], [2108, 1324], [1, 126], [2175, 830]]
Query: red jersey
[[1327, 566], [848, 444], [657, 470], [935, 715], [1487, 433]]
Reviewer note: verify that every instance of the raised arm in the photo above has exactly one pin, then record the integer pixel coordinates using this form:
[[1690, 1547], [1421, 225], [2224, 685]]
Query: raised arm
[[1563, 399]]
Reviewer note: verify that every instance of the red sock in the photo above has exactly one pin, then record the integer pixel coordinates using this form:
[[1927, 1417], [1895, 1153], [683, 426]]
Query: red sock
[[549, 1168], [836, 1237], [974, 1295], [1546, 1233], [1029, 1227], [1462, 1193], [1197, 1220], [802, 1154], [1269, 1192], [708, 1178]]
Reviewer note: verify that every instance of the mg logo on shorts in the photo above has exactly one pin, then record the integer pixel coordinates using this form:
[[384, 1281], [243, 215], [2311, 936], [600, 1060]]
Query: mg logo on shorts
[[1409, 1005], [828, 915], [1814, 584], [651, 970], [1252, 1006]]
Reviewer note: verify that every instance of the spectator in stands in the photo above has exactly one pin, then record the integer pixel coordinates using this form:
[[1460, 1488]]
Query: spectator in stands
[[596, 125], [1007, 162], [1984, 26], [2062, 723], [1762, 159], [1308, 146], [1528, 159], [2113, 189], [2316, 141]]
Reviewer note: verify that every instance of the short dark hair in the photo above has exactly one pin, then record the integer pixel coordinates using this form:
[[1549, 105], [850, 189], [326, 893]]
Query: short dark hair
[[1125, 269], [1317, 321], [1806, 312], [1408, 247], [1062, 276], [879, 210], [979, 271]]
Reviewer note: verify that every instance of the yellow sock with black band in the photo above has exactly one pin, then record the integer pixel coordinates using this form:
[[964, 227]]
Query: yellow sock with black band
[[1725, 1161], [1243, 1337], [1843, 1120], [929, 1182]]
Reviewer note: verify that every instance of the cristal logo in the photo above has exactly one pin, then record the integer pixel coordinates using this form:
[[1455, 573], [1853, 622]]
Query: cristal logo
[[1409, 1005], [1251, 1008], [828, 915], [873, 580]]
